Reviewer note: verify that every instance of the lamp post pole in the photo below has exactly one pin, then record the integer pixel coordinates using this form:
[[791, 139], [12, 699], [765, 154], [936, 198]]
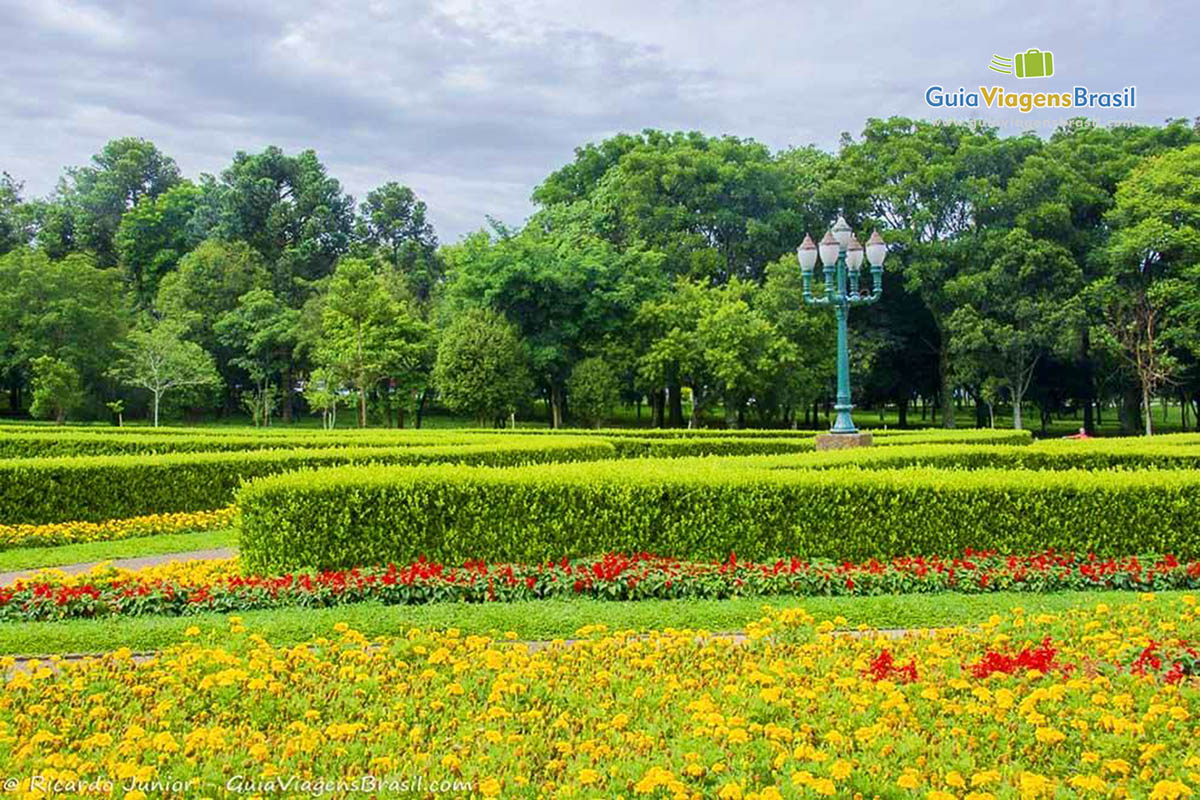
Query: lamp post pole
[[841, 257]]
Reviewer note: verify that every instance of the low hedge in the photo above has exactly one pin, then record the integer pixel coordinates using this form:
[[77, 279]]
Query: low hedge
[[707, 508], [1100, 454], [53, 444], [95, 488]]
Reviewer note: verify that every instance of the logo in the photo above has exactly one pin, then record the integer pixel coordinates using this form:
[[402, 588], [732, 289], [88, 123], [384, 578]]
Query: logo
[[1033, 63]]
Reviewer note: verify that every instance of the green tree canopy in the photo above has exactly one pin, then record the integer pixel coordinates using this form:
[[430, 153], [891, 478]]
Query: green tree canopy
[[482, 367]]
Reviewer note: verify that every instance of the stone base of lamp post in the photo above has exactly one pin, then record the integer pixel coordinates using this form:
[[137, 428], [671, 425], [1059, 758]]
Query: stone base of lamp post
[[843, 441]]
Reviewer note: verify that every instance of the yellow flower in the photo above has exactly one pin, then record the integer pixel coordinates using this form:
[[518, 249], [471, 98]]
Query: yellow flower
[[1088, 783], [908, 780], [841, 769], [730, 791], [489, 787], [1049, 736], [1170, 790], [588, 777]]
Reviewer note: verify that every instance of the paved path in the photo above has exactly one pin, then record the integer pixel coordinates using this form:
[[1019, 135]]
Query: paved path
[[127, 563]]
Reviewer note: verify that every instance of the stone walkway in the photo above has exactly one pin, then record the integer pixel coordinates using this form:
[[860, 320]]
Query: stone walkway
[[126, 563]]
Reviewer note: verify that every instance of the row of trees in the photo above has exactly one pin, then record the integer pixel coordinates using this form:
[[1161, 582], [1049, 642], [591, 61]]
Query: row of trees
[[658, 268]]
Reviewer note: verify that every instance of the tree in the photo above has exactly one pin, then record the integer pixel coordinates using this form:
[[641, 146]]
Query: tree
[[933, 185], [154, 235], [482, 367], [158, 359], [322, 390], [120, 175], [56, 389], [1022, 305], [592, 390], [367, 334], [207, 285], [290, 211], [393, 221], [16, 216], [714, 207], [566, 290], [1155, 245], [743, 351], [68, 309], [261, 331]]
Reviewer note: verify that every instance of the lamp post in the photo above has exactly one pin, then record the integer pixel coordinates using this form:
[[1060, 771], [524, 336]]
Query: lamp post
[[841, 258]]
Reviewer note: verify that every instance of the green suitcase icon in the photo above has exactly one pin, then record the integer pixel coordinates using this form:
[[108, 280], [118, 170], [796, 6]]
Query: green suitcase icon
[[1034, 63]]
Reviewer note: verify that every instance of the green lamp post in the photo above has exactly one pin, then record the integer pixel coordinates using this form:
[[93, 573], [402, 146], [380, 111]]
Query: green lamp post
[[841, 257]]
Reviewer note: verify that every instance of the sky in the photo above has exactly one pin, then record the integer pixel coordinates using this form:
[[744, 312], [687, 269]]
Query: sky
[[473, 103]]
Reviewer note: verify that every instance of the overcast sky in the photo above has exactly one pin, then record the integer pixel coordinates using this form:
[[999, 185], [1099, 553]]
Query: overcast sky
[[473, 103]]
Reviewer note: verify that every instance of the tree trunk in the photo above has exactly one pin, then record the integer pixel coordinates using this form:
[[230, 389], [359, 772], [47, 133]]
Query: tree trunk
[[1149, 412], [675, 393], [60, 415], [156, 396], [1130, 410], [1017, 422], [421, 407], [362, 408], [694, 421], [946, 388], [286, 411], [903, 420], [658, 400], [556, 410]]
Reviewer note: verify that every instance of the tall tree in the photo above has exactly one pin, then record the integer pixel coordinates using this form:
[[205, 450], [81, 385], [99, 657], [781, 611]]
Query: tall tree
[[261, 332], [933, 185], [367, 335], [206, 285], [120, 175], [567, 291], [68, 309], [154, 235], [393, 222], [1021, 306], [1154, 249], [16, 216], [292, 212]]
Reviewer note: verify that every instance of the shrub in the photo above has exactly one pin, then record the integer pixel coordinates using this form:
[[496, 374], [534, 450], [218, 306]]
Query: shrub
[[34, 444], [95, 488], [708, 508], [592, 390]]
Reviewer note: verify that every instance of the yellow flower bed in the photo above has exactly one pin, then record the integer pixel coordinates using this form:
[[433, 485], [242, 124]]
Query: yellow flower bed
[[794, 709], [195, 571], [75, 532]]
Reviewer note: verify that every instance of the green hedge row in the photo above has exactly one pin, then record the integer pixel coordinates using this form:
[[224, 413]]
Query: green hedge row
[[71, 443], [707, 508], [1098, 454], [95, 488]]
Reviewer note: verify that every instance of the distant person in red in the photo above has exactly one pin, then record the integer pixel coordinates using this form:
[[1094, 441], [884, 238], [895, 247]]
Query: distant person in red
[[1083, 434]]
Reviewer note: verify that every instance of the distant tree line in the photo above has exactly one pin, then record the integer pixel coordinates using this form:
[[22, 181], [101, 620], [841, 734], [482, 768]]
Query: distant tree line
[[657, 270]]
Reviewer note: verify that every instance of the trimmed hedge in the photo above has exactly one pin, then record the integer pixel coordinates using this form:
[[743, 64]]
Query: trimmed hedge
[[707, 508], [50, 444], [96, 488]]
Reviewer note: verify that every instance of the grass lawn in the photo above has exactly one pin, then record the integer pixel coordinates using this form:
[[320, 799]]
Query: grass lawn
[[545, 619], [35, 557]]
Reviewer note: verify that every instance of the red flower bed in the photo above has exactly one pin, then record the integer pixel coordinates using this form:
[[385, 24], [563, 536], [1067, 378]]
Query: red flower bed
[[613, 576]]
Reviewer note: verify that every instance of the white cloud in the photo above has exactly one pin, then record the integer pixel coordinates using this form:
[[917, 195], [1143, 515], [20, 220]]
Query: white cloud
[[472, 102]]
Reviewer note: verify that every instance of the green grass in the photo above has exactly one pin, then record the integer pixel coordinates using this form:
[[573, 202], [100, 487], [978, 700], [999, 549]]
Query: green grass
[[35, 557], [546, 619]]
